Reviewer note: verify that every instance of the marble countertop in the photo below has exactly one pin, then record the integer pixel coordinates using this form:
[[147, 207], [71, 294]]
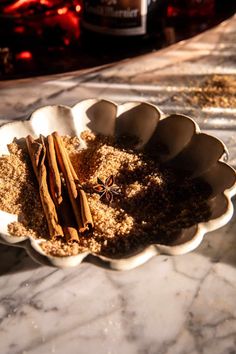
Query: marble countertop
[[180, 305]]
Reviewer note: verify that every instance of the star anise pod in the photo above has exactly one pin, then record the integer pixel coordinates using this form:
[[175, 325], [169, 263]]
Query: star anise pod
[[106, 188]]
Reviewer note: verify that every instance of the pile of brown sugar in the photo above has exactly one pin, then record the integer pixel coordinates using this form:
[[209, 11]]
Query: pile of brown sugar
[[153, 203], [19, 192], [217, 91]]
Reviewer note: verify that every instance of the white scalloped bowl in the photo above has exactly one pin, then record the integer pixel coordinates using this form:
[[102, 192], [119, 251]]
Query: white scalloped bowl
[[180, 144]]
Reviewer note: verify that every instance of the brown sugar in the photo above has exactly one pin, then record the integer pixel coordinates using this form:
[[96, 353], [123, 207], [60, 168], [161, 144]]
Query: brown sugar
[[18, 193], [147, 209], [217, 91]]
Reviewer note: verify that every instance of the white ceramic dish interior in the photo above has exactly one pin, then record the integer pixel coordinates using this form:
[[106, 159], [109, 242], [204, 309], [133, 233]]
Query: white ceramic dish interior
[[180, 143]]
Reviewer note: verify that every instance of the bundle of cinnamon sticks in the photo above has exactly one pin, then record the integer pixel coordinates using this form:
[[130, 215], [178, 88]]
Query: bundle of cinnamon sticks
[[64, 201]]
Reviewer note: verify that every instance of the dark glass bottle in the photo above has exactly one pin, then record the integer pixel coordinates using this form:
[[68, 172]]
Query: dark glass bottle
[[122, 22], [124, 18]]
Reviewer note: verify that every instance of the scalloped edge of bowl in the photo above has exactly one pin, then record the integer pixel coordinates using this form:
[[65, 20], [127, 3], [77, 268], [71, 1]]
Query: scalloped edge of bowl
[[32, 246]]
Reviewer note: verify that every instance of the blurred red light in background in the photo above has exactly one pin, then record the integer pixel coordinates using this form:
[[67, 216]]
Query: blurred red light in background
[[19, 29], [24, 55], [78, 8], [20, 3], [62, 10], [66, 41], [172, 11]]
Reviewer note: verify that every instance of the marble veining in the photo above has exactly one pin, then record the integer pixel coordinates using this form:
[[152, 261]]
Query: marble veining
[[181, 305]]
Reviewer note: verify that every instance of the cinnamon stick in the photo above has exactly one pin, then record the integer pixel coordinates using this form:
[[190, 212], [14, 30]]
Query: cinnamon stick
[[55, 177], [59, 193], [85, 210], [37, 152], [76, 194]]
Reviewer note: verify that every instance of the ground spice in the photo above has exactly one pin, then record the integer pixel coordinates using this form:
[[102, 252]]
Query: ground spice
[[18, 192], [152, 206], [217, 91]]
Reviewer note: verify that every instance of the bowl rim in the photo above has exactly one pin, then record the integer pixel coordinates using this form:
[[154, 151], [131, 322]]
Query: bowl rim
[[32, 245]]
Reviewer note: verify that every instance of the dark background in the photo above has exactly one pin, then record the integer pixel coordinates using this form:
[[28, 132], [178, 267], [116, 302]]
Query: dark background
[[40, 37]]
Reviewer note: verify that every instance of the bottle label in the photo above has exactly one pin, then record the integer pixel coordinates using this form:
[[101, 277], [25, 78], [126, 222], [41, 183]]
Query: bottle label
[[116, 17]]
